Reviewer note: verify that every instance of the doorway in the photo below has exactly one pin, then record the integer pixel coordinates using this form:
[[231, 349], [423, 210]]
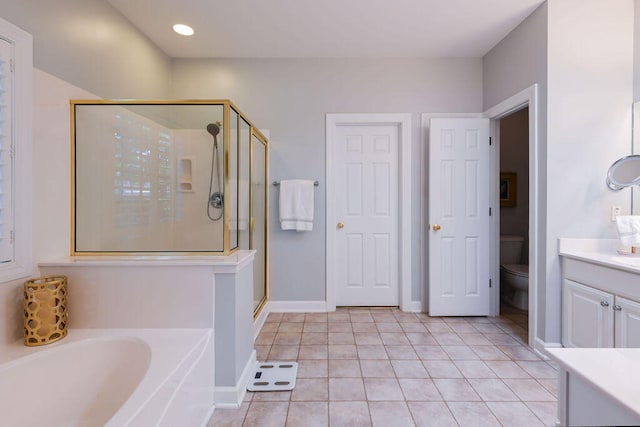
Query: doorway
[[366, 154], [513, 261]]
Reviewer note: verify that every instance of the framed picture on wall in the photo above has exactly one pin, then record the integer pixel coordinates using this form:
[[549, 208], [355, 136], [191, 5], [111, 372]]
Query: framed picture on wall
[[508, 189]]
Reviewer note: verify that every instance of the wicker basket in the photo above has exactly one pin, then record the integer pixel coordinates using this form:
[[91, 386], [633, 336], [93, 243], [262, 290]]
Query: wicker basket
[[45, 310]]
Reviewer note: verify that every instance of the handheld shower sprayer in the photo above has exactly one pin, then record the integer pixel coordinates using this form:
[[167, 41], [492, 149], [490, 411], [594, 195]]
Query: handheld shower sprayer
[[215, 199]]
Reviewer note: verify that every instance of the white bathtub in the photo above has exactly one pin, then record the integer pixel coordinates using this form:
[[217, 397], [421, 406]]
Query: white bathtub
[[117, 377]]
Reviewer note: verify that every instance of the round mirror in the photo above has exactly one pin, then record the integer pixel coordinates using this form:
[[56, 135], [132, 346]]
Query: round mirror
[[624, 172]]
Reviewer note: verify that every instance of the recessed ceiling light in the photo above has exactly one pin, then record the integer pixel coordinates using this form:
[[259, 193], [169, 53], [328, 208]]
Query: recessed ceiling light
[[182, 29]]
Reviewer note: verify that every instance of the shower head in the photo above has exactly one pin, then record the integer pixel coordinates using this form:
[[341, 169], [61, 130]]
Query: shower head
[[213, 129]]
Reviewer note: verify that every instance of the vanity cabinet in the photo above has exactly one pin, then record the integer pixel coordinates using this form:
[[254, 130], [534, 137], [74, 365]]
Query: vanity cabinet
[[596, 318]]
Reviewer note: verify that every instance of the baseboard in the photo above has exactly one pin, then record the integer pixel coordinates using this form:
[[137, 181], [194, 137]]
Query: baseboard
[[540, 346], [416, 306], [297, 306], [232, 397]]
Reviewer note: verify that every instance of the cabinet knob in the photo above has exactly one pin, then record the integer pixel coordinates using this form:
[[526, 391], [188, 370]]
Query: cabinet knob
[[616, 307], [604, 303]]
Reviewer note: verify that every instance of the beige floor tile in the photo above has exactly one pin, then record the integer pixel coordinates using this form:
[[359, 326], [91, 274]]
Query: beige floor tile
[[488, 328], [456, 390], [383, 317], [367, 338], [514, 414], [313, 352], [551, 385], [431, 352], [349, 414], [271, 396], [274, 317], [364, 327], [340, 327], [547, 412], [316, 317], [529, 390], [507, 369], [401, 352], [460, 352], [493, 390], [421, 338], [438, 328], [474, 338], [342, 351], [346, 389], [432, 414], [386, 414], [313, 369], [266, 414], [518, 352], [538, 369], [290, 327], [338, 317], [383, 389], [397, 338], [309, 338], [489, 352], [229, 417], [341, 368], [476, 414], [265, 338], [287, 338], [372, 351], [463, 328], [442, 369], [341, 338], [474, 369], [447, 338], [270, 327], [413, 327], [283, 352], [361, 317], [409, 369], [403, 317], [315, 327], [262, 351], [373, 368], [311, 389], [389, 327], [293, 317], [308, 414], [419, 389]]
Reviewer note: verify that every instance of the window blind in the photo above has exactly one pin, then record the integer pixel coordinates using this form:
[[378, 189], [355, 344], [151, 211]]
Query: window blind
[[6, 153]]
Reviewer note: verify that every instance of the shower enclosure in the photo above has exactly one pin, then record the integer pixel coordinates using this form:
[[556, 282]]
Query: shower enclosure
[[169, 178]]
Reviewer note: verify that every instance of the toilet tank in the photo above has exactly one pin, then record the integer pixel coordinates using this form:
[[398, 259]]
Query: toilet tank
[[510, 249]]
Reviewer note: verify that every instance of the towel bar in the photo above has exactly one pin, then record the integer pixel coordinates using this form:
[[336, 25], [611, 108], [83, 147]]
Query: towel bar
[[276, 183]]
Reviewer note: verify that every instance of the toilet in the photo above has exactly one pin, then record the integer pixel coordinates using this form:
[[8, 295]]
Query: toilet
[[514, 276]]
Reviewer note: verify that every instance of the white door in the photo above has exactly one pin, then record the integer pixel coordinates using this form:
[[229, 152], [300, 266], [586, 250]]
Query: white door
[[366, 210], [459, 219], [587, 317], [627, 321]]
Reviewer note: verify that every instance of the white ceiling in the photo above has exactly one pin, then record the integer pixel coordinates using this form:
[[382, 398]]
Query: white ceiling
[[327, 28]]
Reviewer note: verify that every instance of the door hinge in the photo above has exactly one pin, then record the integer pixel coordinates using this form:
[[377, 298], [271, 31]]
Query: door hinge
[[489, 283], [11, 65], [490, 141], [489, 211], [12, 237]]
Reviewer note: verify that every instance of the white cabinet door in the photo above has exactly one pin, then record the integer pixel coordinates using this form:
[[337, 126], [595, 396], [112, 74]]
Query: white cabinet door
[[587, 316], [627, 322]]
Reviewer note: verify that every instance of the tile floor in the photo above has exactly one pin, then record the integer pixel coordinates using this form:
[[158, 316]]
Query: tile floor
[[383, 367]]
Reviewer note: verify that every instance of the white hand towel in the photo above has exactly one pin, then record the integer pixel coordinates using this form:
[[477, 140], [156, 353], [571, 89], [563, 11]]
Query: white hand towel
[[296, 205], [629, 229]]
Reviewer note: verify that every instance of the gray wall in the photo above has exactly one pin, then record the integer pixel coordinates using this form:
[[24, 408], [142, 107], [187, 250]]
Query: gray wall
[[90, 44], [291, 97]]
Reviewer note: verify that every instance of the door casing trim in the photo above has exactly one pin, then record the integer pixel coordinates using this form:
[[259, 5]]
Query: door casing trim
[[403, 121]]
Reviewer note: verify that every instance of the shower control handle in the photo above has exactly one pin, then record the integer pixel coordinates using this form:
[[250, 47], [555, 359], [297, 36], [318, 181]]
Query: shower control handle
[[340, 225]]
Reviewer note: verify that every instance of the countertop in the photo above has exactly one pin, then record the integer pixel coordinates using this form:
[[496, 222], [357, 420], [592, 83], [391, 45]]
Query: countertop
[[605, 252], [614, 371]]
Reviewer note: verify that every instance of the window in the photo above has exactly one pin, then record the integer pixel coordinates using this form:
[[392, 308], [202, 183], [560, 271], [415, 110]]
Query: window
[[15, 152]]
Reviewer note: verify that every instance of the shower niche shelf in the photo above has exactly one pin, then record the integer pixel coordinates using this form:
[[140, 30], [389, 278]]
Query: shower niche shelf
[[185, 183]]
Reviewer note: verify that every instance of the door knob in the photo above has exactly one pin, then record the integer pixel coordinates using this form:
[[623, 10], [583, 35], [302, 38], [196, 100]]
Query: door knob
[[436, 227], [340, 225]]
